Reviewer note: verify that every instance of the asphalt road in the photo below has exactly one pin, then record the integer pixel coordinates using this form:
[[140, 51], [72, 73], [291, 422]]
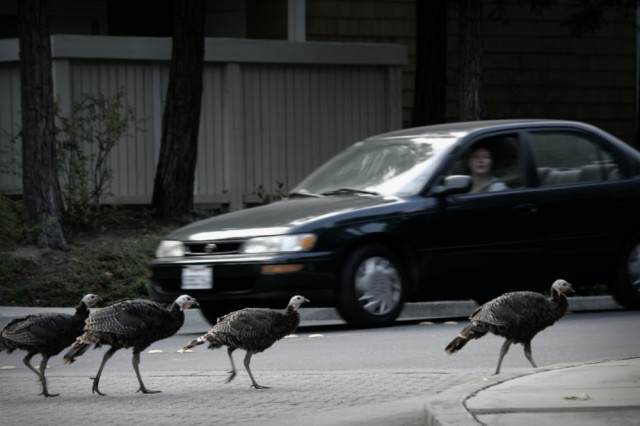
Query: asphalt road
[[325, 375]]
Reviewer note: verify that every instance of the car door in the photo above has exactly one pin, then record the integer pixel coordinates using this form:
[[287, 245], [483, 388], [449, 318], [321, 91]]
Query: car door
[[584, 201], [478, 243]]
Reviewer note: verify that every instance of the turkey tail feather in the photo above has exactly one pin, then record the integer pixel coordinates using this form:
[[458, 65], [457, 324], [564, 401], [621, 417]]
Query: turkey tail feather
[[455, 345], [199, 341], [76, 350], [470, 332]]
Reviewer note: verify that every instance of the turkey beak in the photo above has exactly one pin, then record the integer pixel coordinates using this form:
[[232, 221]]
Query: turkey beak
[[190, 304]]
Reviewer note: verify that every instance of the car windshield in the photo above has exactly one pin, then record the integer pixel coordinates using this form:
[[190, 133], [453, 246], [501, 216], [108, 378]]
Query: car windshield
[[385, 167]]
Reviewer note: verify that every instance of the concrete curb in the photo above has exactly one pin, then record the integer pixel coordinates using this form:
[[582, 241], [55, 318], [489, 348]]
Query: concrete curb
[[447, 408], [450, 408], [456, 309]]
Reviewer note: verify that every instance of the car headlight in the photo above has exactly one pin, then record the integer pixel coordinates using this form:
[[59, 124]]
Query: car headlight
[[170, 248], [279, 243]]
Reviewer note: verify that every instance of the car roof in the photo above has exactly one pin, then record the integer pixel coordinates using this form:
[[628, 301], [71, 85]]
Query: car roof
[[467, 127]]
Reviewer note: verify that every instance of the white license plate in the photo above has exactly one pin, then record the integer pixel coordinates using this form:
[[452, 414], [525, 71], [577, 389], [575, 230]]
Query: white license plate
[[197, 278]]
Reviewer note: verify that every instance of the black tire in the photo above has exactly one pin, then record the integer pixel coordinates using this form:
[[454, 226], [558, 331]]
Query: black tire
[[372, 288], [212, 311], [626, 286]]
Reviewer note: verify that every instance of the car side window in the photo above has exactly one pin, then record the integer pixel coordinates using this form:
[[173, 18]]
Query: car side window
[[493, 162], [564, 157]]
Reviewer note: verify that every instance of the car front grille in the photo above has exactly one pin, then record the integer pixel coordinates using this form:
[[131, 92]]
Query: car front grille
[[212, 248]]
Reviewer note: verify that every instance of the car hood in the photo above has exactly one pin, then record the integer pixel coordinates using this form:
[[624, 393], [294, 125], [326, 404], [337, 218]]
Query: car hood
[[279, 217]]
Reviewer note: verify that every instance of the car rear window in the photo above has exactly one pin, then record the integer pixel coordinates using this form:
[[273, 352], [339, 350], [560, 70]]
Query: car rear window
[[566, 157]]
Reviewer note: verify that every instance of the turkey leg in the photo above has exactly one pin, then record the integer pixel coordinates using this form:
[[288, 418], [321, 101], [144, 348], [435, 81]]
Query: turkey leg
[[40, 374], [503, 352], [43, 367], [527, 353], [232, 373], [247, 360], [136, 362], [96, 380]]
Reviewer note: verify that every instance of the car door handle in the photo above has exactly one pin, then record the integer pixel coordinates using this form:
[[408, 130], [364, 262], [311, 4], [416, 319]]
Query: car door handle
[[526, 209]]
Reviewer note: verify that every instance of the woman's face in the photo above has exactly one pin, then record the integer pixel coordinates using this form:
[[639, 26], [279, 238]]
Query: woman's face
[[480, 161]]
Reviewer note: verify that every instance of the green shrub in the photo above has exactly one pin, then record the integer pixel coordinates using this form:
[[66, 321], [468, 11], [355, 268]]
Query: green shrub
[[112, 268], [85, 138], [10, 226]]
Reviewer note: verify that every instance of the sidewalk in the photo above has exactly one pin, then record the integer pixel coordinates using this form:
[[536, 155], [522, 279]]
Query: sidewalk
[[605, 392], [599, 393]]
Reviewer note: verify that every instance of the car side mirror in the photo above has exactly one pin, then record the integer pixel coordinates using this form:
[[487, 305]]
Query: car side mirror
[[454, 184]]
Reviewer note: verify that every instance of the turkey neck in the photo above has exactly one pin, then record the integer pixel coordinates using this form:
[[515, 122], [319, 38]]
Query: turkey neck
[[177, 313], [82, 311], [560, 301], [292, 319]]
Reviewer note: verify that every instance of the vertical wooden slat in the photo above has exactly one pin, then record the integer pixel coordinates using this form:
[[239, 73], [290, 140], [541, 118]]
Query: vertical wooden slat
[[288, 129], [261, 123], [235, 132], [298, 118], [221, 163]]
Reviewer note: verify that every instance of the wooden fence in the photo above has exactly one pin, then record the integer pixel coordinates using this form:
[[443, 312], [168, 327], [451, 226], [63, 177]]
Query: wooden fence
[[272, 111]]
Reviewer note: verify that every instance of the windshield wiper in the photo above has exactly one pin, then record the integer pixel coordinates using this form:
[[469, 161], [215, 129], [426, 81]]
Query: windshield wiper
[[349, 191], [303, 194]]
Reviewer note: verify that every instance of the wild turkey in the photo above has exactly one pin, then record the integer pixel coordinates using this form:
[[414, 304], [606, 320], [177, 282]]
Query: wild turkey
[[253, 330], [516, 316], [46, 334], [131, 323]]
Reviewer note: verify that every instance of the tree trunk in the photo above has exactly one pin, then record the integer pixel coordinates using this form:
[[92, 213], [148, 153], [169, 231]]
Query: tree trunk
[[471, 58], [41, 189], [429, 100], [173, 185], [636, 143]]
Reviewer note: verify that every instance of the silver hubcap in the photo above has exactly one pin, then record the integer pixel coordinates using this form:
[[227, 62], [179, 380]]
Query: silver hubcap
[[378, 286], [633, 267]]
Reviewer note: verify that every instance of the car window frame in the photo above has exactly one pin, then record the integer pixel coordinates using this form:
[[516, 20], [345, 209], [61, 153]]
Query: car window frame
[[602, 142], [463, 146]]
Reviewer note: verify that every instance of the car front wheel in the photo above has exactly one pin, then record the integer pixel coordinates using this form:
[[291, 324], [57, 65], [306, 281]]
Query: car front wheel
[[372, 287], [626, 287]]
